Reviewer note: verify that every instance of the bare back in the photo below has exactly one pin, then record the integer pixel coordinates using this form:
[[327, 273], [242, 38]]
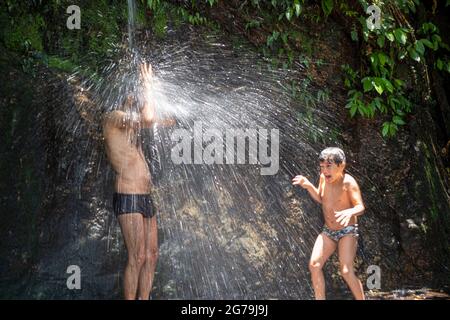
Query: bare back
[[336, 197], [127, 159]]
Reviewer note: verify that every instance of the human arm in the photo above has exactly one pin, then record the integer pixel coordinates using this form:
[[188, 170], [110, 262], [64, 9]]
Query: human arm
[[354, 193], [122, 119], [148, 114], [128, 117], [306, 184]]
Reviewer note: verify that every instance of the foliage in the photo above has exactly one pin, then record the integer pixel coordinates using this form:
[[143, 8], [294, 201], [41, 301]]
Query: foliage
[[24, 33], [376, 86], [37, 28]]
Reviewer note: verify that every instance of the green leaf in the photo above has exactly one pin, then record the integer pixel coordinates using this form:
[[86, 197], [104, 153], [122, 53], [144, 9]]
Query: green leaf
[[382, 58], [385, 129], [367, 84], [414, 55], [371, 109], [362, 109], [399, 83], [390, 36], [436, 41], [387, 84], [366, 35], [347, 83], [273, 37], [392, 129], [297, 7], [428, 43], [400, 35], [428, 27], [439, 64], [284, 37], [376, 103], [353, 109], [398, 120], [327, 7], [378, 86], [380, 41], [289, 14], [374, 60], [419, 47], [354, 35]]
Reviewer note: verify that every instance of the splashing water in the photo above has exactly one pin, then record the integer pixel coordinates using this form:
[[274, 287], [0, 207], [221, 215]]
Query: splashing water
[[225, 230]]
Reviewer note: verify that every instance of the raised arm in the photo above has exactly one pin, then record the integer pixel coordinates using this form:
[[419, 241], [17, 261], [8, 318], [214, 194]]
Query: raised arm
[[122, 119], [314, 192], [148, 114]]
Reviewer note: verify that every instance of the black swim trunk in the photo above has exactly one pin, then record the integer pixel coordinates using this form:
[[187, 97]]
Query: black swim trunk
[[124, 203]]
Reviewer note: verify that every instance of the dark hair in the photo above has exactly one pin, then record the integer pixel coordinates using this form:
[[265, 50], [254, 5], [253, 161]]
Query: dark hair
[[332, 154]]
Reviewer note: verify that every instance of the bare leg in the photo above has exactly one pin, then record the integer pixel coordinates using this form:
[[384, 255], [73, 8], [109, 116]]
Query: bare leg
[[347, 252], [132, 226], [323, 249], [151, 256]]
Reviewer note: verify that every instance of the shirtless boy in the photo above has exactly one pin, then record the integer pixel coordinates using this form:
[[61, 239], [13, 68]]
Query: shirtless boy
[[341, 200]]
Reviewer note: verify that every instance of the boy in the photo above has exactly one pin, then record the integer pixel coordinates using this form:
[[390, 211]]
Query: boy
[[341, 202], [132, 200]]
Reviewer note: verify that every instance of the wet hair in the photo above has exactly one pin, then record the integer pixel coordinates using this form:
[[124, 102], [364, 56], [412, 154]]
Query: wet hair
[[332, 154]]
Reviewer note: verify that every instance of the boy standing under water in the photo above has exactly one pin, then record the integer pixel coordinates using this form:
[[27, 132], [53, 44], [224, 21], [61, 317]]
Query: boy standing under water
[[341, 200]]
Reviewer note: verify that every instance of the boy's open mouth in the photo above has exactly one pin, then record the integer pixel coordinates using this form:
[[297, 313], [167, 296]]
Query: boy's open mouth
[[328, 176]]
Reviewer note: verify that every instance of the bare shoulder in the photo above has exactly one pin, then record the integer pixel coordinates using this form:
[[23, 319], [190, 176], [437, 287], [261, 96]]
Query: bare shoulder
[[349, 181], [113, 114], [113, 118]]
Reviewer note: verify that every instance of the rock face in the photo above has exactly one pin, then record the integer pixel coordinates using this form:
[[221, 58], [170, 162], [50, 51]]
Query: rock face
[[405, 180], [223, 233]]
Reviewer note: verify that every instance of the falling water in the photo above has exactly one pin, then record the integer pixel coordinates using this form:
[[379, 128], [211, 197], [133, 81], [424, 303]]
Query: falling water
[[225, 230], [131, 22]]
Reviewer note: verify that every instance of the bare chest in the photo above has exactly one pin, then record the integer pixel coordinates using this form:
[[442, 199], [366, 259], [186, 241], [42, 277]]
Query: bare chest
[[335, 198]]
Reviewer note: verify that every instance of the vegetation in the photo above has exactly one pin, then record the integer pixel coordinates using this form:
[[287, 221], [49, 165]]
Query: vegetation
[[376, 87]]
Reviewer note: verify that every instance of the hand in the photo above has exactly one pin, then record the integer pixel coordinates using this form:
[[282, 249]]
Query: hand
[[168, 122], [301, 181], [147, 74], [171, 122], [343, 217]]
